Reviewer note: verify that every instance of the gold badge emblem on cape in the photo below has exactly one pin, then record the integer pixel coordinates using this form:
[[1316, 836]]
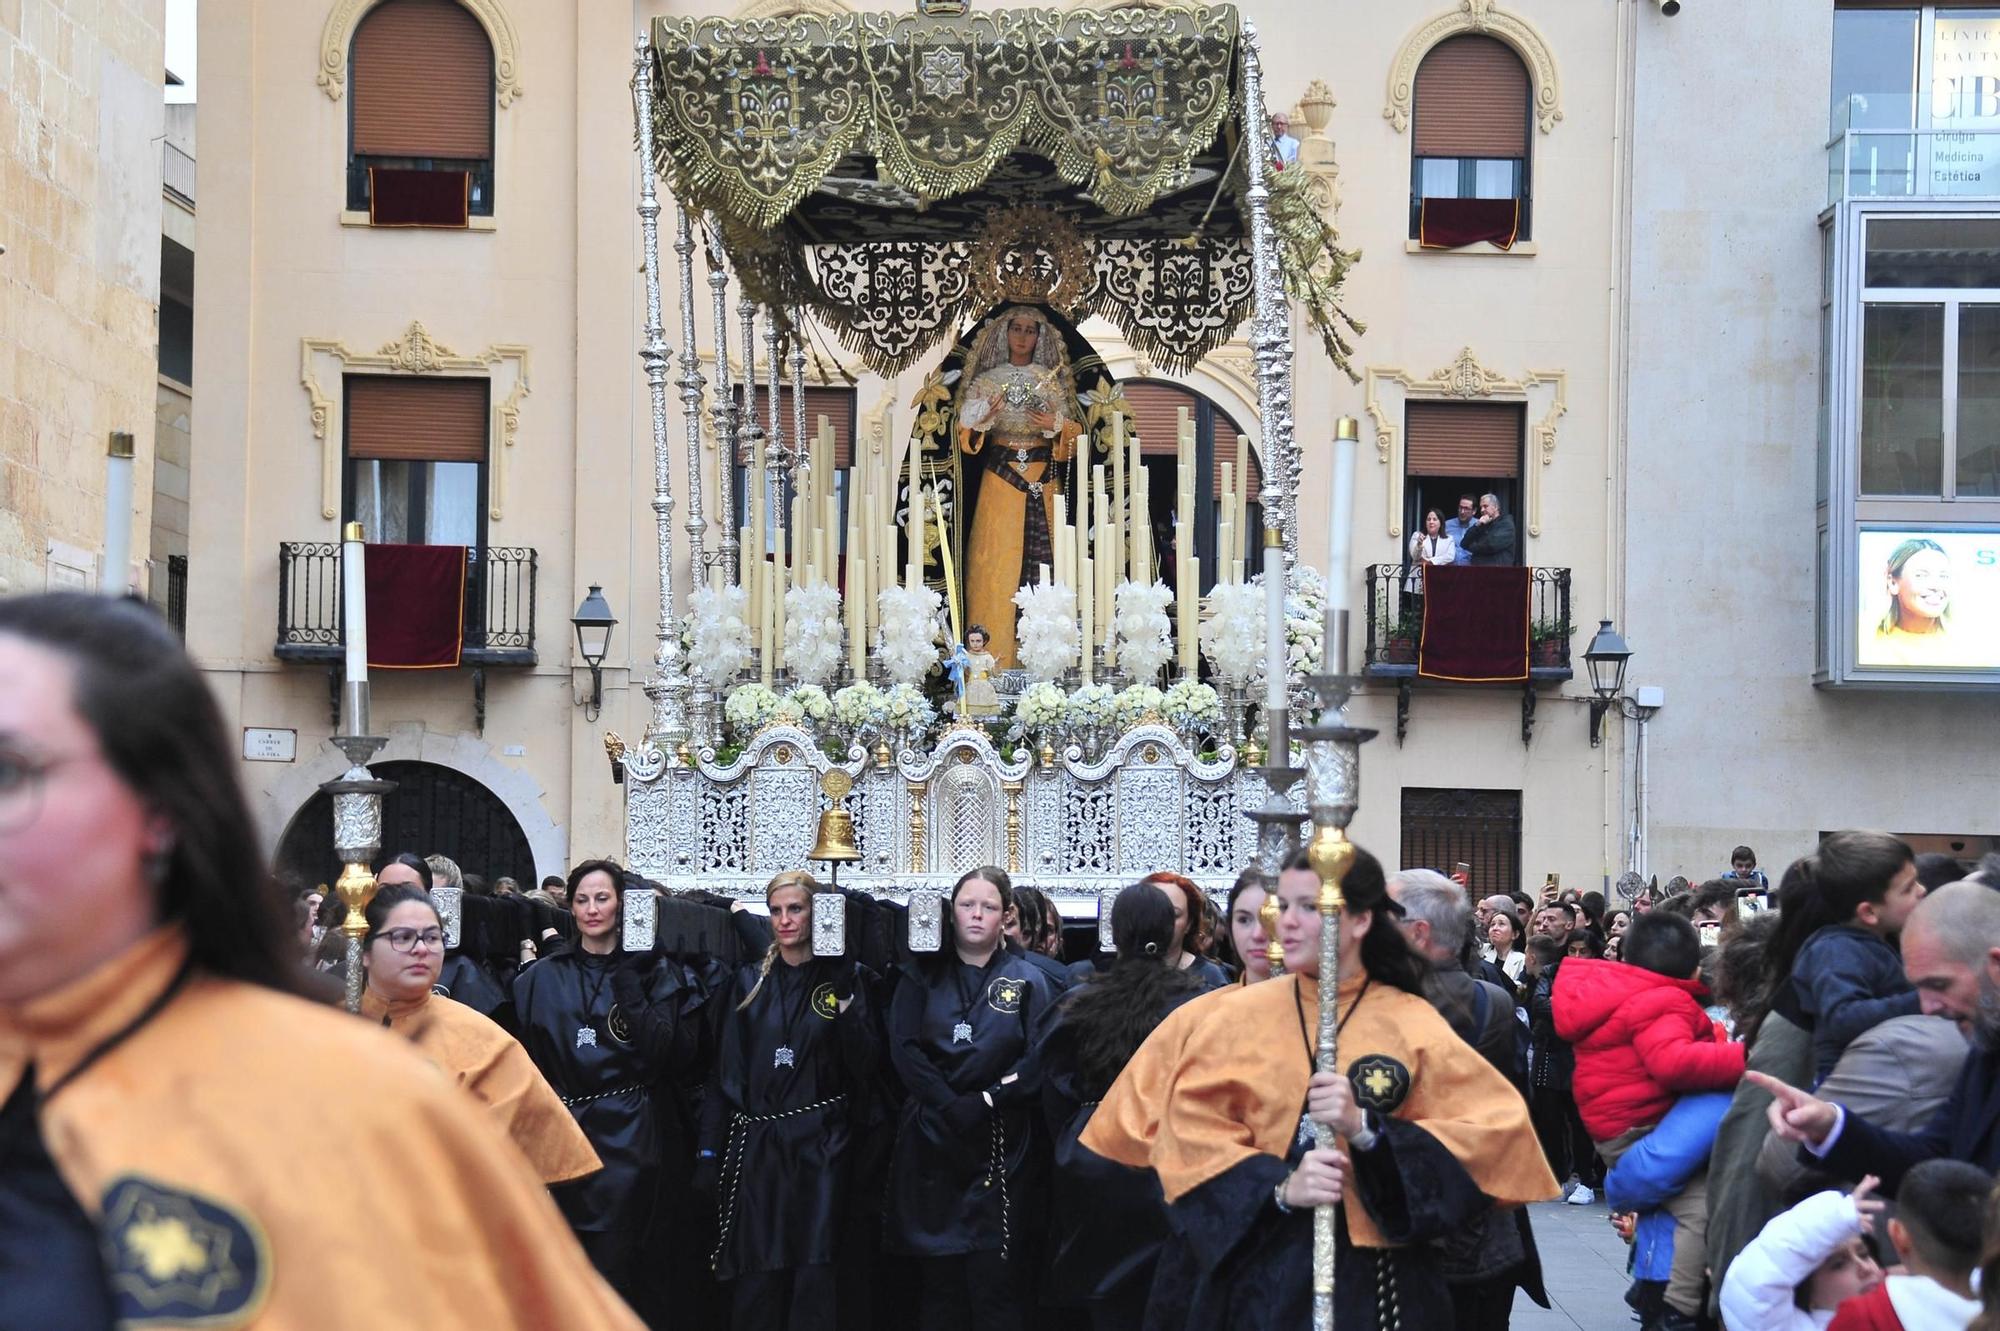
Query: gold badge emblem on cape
[[826, 1002], [1004, 994], [1380, 1082], [175, 1257], [617, 1026]]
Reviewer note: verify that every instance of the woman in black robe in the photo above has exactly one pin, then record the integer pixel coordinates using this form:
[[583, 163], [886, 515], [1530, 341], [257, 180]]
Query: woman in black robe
[[1108, 1221], [612, 1030], [798, 1052], [966, 1168]]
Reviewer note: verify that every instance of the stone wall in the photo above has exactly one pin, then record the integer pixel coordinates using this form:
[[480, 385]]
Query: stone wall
[[80, 120]]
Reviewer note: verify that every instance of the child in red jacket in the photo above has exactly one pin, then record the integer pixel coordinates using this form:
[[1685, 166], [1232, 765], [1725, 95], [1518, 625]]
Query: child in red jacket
[[1642, 1040]]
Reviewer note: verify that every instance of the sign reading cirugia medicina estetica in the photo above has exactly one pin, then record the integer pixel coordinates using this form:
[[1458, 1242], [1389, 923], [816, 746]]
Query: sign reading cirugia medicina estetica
[[1965, 105]]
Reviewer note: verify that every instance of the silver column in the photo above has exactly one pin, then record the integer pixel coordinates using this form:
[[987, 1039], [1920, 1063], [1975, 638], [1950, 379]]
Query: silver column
[[669, 686], [691, 385], [726, 415], [1271, 335]]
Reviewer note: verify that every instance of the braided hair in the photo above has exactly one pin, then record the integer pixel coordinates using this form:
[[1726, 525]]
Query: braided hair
[[798, 878]]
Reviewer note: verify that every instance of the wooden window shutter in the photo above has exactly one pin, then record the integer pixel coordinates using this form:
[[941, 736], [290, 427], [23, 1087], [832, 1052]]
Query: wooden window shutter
[[1156, 416], [1225, 451], [420, 420], [836, 404], [421, 76], [1472, 100], [1471, 439]]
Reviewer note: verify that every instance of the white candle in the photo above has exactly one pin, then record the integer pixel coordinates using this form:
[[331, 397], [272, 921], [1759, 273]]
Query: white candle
[[1341, 544], [916, 533], [1121, 505], [1225, 541], [766, 622], [779, 582], [757, 540], [857, 661], [1086, 582], [354, 598], [1274, 629], [1240, 513]]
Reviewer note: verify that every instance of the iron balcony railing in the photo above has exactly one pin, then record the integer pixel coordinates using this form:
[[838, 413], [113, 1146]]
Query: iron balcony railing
[[499, 604], [1395, 623]]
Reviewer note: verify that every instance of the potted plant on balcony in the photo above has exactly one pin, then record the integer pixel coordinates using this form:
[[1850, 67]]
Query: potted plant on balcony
[[1399, 638], [1548, 642]]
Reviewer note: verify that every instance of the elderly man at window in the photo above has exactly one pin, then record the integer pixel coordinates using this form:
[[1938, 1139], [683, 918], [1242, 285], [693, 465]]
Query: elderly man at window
[[1490, 540]]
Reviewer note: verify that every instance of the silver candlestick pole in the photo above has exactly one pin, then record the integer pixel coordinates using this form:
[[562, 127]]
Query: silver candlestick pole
[[668, 688], [357, 838], [691, 384], [727, 419]]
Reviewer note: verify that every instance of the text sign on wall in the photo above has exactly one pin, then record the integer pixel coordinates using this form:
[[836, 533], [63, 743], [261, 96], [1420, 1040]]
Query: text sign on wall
[[1965, 105], [266, 744]]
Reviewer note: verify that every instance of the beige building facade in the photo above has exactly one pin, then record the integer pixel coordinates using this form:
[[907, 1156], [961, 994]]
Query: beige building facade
[[80, 217], [1564, 333]]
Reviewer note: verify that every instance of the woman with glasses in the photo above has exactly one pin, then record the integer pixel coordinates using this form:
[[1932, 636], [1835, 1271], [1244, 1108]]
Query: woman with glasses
[[614, 1032], [157, 1057], [403, 951]]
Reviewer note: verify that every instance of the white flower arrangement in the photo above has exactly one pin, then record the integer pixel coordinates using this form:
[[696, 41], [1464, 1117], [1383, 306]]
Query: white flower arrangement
[[812, 703], [859, 706], [788, 712], [1145, 642], [1189, 704], [719, 633], [812, 631], [905, 707], [1232, 638], [1091, 705], [1047, 637], [748, 709], [1043, 706], [1135, 702], [909, 633]]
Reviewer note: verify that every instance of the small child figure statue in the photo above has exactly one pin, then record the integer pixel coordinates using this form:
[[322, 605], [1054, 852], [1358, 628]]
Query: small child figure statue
[[973, 666]]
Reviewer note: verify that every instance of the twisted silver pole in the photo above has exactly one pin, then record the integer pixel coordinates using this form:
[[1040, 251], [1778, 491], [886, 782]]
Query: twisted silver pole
[[726, 416], [1271, 335], [691, 384], [774, 435], [669, 685], [801, 459]]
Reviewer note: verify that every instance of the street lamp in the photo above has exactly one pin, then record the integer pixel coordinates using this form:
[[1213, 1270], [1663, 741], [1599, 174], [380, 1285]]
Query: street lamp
[[594, 620], [1606, 656]]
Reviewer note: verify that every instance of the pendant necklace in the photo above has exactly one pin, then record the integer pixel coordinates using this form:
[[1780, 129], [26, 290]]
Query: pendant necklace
[[783, 1056], [586, 1032], [1308, 1133], [961, 1033]]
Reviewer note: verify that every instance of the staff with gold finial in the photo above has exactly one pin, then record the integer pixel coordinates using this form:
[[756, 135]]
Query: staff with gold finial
[[356, 794]]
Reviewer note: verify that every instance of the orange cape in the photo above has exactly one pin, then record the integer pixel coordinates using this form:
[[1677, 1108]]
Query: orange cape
[[296, 1168], [493, 1066], [1240, 1088]]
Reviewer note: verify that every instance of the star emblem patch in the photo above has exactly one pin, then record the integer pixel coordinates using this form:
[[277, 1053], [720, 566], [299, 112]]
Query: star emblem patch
[[944, 72], [175, 1257], [1004, 994], [825, 1002], [1380, 1083]]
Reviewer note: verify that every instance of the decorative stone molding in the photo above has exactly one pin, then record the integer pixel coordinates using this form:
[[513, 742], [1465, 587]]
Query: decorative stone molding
[[322, 362], [1483, 18], [1316, 150], [1389, 388], [337, 38]]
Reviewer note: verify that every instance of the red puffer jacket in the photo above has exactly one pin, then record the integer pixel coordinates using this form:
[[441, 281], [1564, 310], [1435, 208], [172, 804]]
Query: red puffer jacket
[[1642, 1041]]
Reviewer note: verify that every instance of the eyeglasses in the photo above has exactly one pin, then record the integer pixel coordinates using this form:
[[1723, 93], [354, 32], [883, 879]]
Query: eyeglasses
[[406, 940], [22, 781]]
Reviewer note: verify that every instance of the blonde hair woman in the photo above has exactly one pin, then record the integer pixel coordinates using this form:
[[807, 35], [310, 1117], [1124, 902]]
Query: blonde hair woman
[[798, 1049]]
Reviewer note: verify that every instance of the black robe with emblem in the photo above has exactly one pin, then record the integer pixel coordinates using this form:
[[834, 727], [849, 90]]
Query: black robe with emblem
[[464, 980], [611, 1034], [791, 1079], [963, 1176]]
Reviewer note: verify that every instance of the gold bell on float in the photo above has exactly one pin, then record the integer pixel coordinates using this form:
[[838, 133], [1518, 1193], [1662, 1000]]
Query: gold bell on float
[[836, 824]]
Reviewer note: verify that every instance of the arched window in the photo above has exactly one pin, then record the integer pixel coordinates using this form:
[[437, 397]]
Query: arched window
[[1156, 407], [1469, 168], [420, 115]]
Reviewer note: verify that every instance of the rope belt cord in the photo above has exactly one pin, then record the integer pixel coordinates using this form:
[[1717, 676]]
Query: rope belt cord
[[732, 1165], [574, 1100], [997, 1165]]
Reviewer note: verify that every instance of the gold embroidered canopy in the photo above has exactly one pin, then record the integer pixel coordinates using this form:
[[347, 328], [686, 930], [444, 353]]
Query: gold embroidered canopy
[[859, 165]]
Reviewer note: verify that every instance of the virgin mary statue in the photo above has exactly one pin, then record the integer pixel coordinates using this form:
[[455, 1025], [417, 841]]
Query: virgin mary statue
[[1017, 418]]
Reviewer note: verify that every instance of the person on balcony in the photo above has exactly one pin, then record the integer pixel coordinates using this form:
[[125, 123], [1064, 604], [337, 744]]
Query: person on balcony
[[1457, 527], [1429, 546], [1490, 539]]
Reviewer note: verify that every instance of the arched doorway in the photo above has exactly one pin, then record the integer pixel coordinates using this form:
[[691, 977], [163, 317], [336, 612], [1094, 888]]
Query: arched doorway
[[434, 811]]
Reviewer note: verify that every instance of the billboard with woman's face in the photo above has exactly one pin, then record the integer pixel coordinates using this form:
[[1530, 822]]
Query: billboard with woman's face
[[1929, 600]]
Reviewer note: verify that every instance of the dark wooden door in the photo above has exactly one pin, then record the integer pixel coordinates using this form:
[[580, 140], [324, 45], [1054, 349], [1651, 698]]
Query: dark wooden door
[[433, 811], [1445, 828]]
